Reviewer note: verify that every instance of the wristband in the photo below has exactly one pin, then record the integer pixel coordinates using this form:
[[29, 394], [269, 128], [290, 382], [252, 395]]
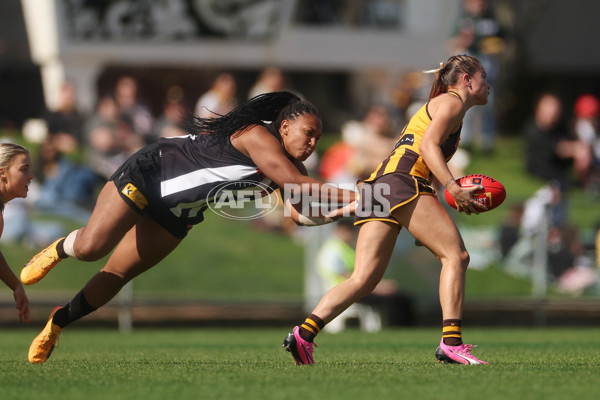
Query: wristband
[[448, 182]]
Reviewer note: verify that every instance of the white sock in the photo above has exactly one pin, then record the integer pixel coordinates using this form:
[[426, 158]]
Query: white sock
[[69, 242]]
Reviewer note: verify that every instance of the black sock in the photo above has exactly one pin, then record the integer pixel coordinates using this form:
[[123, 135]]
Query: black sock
[[60, 249], [74, 310]]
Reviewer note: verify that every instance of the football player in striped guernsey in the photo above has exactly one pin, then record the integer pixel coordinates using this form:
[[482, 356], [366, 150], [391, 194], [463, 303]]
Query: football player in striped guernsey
[[153, 200], [399, 194]]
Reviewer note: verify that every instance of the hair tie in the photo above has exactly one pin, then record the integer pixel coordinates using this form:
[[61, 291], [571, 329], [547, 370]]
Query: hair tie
[[433, 71]]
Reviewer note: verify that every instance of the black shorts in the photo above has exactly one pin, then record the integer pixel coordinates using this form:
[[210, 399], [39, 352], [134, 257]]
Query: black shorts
[[379, 198], [138, 183]]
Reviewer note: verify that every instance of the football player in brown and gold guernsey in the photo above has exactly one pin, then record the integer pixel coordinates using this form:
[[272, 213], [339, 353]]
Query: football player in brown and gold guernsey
[[399, 194]]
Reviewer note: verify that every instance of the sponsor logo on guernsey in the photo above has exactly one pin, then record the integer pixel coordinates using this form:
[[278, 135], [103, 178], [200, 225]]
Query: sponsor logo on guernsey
[[406, 140], [135, 195]]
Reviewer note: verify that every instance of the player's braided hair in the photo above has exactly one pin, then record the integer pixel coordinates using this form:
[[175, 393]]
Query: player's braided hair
[[450, 72], [271, 107]]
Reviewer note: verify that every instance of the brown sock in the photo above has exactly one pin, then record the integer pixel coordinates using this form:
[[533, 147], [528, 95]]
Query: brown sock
[[452, 332], [311, 327]]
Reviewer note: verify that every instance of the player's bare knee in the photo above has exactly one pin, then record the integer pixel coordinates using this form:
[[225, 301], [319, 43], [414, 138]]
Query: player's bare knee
[[459, 259], [88, 250]]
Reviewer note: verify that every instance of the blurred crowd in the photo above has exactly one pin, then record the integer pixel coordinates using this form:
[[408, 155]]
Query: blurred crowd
[[562, 155]]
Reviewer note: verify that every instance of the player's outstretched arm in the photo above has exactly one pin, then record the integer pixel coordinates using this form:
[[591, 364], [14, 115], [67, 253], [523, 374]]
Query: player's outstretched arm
[[307, 200]]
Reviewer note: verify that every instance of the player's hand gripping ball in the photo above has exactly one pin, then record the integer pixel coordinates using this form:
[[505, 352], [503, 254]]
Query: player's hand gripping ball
[[491, 196]]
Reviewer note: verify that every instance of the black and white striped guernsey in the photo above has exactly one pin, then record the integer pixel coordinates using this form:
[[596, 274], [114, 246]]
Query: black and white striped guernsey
[[192, 167]]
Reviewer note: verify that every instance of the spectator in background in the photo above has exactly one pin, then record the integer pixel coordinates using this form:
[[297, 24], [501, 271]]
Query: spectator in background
[[67, 189], [570, 268], [133, 109], [219, 99], [66, 186], [585, 125], [550, 150], [378, 139], [510, 229], [549, 154], [364, 144], [564, 246], [404, 95], [170, 123], [270, 80], [65, 124], [567, 264], [478, 33], [585, 128], [337, 164], [111, 138]]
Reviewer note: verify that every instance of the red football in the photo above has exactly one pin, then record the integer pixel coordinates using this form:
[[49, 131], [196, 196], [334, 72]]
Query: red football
[[491, 196]]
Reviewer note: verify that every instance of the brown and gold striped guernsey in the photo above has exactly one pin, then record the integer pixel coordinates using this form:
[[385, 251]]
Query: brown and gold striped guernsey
[[406, 157]]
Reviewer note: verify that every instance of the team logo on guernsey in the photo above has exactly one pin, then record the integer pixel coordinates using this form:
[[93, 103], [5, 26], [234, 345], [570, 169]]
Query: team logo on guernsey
[[243, 200], [135, 195]]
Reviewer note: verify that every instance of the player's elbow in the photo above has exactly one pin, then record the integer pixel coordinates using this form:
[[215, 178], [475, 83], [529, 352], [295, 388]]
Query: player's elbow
[[426, 147]]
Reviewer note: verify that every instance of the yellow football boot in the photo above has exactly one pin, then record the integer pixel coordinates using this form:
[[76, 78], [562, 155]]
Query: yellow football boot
[[40, 264], [43, 345]]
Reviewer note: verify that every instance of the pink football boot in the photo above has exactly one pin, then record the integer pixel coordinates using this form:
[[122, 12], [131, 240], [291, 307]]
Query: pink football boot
[[301, 350], [457, 354]]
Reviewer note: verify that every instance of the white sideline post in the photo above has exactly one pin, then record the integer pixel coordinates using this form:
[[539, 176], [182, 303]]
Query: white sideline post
[[540, 267], [125, 303]]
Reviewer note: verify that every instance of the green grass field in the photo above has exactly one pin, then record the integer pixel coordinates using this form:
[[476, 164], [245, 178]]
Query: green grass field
[[251, 364]]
